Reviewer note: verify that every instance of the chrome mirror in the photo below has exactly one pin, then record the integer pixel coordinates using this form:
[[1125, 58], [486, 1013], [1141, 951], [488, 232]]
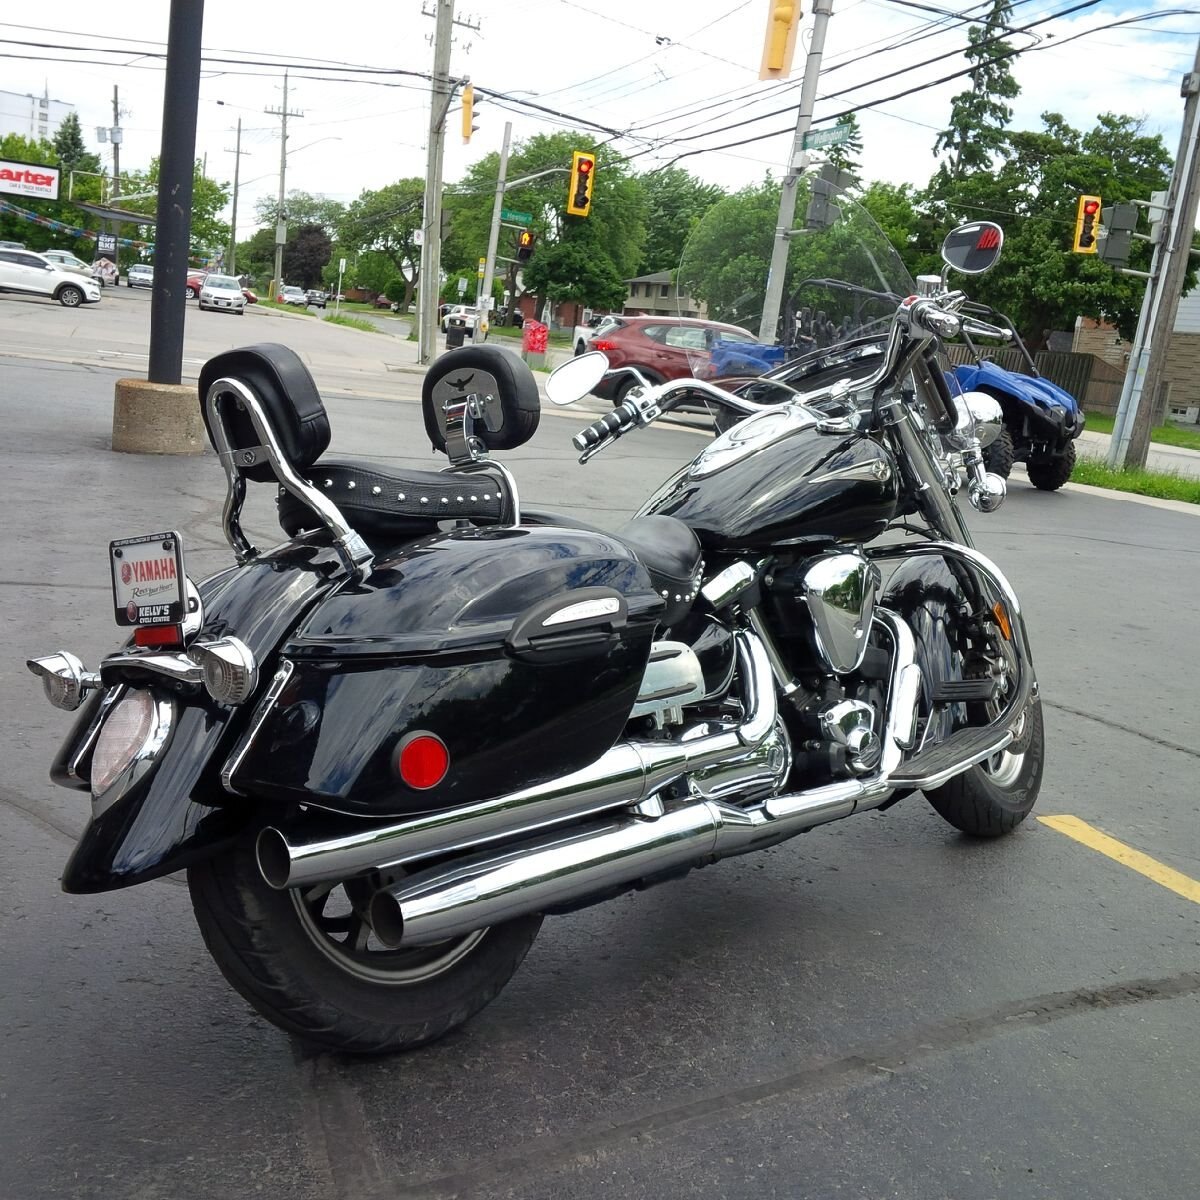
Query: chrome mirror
[[574, 379], [974, 248]]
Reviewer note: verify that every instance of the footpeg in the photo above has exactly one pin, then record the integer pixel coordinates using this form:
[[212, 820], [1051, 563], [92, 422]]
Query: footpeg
[[959, 691]]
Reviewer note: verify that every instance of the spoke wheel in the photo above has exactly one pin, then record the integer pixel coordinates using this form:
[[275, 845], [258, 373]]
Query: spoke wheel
[[334, 917]]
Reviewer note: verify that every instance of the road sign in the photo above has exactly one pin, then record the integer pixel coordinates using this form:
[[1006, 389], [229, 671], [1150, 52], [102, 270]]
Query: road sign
[[341, 264], [831, 135], [462, 285], [482, 266], [516, 218], [418, 237]]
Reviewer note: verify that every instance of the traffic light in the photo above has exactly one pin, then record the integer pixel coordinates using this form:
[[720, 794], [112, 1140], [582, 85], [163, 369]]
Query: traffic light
[[468, 113], [783, 20], [1086, 220], [525, 244], [1116, 243], [583, 174]]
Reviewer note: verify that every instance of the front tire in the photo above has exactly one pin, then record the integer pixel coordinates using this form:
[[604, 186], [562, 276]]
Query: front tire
[[189, 293], [70, 296], [308, 962], [992, 798], [1049, 476]]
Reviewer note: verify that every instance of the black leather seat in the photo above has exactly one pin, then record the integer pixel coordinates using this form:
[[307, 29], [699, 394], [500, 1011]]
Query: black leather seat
[[671, 554], [382, 502]]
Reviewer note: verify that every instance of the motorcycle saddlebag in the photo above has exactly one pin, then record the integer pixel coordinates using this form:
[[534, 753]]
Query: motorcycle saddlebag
[[520, 649]]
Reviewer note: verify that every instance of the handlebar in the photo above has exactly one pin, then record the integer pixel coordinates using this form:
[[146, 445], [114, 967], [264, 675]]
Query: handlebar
[[611, 425]]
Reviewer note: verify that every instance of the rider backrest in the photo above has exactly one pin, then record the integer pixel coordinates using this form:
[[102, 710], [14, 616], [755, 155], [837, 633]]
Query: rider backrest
[[290, 403], [507, 392]]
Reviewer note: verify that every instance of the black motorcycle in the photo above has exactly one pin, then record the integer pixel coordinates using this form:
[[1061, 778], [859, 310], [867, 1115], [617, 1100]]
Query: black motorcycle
[[385, 749]]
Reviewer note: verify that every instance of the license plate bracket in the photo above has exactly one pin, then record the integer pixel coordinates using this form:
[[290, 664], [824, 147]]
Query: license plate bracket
[[148, 581]]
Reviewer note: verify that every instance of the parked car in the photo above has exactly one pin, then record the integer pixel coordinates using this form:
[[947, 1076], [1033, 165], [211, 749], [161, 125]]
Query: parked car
[[70, 262], [140, 275], [12, 245], [461, 316], [317, 298], [195, 281], [292, 295], [223, 293], [661, 348], [29, 273]]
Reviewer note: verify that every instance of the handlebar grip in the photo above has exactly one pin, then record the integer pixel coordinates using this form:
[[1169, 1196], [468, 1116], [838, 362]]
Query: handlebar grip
[[983, 329], [926, 315], [612, 424]]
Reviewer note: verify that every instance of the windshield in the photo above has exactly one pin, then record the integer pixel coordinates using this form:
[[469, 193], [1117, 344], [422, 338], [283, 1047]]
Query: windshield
[[222, 281], [842, 281]]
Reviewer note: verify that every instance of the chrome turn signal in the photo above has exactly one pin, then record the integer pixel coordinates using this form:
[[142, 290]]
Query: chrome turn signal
[[230, 670], [64, 679]]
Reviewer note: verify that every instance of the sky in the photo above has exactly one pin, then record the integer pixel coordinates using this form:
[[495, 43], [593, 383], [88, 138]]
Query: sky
[[663, 76]]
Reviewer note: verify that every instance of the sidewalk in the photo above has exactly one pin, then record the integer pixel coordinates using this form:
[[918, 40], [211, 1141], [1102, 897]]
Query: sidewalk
[[1175, 459]]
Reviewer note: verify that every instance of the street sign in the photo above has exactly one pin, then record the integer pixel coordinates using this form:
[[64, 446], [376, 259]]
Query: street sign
[[481, 268], [517, 218], [831, 135], [341, 264], [462, 285], [418, 237]]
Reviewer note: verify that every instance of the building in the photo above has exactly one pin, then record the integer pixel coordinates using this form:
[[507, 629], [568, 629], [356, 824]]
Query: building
[[656, 295], [29, 116]]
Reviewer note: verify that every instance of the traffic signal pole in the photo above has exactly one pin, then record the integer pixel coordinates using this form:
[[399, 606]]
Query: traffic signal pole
[[1173, 251], [797, 161], [489, 267]]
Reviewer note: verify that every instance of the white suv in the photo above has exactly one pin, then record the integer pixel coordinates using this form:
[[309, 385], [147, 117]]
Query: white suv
[[24, 271]]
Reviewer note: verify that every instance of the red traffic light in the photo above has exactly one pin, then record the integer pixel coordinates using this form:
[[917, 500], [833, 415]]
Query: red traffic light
[[585, 165], [1091, 207]]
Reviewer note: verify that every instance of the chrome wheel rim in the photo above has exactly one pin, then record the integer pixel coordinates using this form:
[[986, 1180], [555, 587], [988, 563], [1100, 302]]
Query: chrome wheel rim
[[333, 915], [1004, 768]]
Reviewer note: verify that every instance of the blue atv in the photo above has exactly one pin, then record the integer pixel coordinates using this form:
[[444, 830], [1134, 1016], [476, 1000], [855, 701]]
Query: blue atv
[[1041, 420]]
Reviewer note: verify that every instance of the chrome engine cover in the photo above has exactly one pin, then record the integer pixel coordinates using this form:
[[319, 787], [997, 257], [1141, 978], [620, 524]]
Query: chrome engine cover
[[840, 591], [673, 679]]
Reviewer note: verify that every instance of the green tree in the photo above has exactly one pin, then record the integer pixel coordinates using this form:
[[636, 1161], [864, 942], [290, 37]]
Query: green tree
[[209, 234], [69, 145], [978, 116], [386, 221], [844, 155], [302, 208], [675, 203], [306, 254], [576, 268]]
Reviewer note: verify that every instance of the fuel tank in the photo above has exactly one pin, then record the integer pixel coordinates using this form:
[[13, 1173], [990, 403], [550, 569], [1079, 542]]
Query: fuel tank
[[776, 478], [520, 650]]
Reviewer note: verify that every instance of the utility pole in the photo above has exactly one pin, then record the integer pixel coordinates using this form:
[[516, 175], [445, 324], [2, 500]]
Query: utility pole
[[280, 221], [797, 161], [441, 93], [489, 268], [1173, 252], [231, 257], [116, 144]]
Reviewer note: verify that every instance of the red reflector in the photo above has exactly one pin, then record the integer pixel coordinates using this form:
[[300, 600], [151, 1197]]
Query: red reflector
[[602, 344], [158, 635], [423, 760]]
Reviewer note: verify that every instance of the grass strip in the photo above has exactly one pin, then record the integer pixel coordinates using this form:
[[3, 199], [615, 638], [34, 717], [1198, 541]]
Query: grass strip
[[1165, 485], [1164, 435], [353, 323]]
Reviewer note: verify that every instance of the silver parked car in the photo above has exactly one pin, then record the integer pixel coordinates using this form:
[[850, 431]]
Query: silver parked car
[[140, 275], [222, 293]]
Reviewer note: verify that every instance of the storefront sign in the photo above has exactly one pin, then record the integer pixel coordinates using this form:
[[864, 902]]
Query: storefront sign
[[29, 179]]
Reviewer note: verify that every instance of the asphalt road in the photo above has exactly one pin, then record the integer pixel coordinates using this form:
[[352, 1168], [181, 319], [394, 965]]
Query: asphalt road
[[878, 1009]]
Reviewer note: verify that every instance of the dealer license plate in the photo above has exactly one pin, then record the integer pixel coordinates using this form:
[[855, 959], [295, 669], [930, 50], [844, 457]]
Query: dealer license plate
[[148, 581]]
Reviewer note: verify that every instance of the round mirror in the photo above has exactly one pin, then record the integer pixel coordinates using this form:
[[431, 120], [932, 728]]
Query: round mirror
[[973, 249], [987, 414], [574, 379]]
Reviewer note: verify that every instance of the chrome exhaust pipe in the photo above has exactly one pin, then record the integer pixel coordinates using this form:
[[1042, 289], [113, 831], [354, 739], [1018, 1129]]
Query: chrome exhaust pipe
[[563, 868], [624, 776]]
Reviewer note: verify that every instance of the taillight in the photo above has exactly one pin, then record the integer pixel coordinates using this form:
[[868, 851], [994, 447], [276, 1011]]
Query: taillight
[[422, 760], [603, 344], [158, 635]]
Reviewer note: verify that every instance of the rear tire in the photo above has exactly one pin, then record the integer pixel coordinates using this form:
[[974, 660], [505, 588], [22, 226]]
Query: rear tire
[[993, 797], [318, 976], [1000, 455], [1050, 476]]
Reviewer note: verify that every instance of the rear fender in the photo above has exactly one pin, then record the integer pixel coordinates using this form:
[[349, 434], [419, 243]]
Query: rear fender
[[179, 812]]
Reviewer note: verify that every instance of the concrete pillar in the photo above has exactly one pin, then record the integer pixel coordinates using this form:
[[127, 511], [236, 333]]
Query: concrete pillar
[[157, 418]]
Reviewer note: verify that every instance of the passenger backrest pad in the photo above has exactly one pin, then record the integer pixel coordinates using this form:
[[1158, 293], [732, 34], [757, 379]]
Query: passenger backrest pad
[[289, 398]]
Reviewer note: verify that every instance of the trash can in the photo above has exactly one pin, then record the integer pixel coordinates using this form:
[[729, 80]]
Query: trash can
[[455, 336]]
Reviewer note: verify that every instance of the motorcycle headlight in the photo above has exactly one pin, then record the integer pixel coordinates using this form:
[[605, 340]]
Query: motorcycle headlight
[[130, 739]]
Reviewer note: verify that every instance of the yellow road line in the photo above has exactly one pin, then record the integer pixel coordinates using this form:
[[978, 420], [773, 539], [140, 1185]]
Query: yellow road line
[[1163, 875]]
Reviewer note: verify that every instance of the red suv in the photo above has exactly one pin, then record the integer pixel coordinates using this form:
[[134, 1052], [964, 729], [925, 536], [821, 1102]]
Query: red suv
[[661, 348]]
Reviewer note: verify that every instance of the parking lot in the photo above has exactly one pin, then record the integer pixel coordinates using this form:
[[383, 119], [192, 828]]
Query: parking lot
[[880, 1008]]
